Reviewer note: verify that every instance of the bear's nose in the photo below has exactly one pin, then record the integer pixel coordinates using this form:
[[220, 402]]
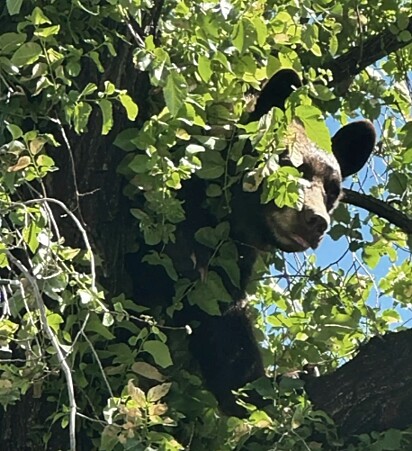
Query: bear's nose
[[316, 221]]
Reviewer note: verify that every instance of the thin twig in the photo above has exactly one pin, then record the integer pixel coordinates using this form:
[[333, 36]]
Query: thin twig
[[99, 363], [72, 164], [156, 13], [82, 230], [56, 345]]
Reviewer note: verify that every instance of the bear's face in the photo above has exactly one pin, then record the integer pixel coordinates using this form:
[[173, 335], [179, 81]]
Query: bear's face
[[297, 230], [292, 230]]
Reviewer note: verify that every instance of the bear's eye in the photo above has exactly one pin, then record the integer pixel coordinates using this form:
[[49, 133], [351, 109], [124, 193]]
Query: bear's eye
[[332, 191], [284, 159], [306, 170]]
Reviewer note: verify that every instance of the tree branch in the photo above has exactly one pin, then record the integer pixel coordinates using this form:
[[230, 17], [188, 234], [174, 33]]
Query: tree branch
[[378, 207], [368, 52], [372, 392], [155, 17]]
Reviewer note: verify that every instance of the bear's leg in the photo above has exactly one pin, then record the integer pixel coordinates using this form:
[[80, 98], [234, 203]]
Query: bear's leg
[[228, 356]]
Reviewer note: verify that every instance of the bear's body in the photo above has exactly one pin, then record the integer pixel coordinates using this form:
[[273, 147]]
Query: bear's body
[[224, 345]]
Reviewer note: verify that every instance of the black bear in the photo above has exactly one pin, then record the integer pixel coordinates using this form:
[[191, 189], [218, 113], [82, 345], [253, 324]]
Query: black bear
[[224, 344]]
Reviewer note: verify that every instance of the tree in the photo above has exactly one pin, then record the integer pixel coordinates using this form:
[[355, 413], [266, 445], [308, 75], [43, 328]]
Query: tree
[[107, 108]]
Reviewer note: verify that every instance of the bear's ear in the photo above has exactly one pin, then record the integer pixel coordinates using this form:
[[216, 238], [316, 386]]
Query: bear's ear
[[275, 92], [352, 146]]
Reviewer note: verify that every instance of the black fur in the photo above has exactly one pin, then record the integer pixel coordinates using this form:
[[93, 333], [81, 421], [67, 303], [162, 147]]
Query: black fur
[[275, 92], [359, 137], [224, 346]]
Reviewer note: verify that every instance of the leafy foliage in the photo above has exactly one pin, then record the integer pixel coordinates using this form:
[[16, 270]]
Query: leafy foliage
[[63, 75]]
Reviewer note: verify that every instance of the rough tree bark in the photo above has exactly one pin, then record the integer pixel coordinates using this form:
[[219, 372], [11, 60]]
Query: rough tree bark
[[373, 391]]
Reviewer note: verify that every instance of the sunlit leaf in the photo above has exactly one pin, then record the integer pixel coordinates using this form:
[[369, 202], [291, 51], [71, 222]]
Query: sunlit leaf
[[26, 54], [106, 108], [175, 92]]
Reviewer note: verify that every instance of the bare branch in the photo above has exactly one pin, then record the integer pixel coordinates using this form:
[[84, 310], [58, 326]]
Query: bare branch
[[156, 13], [378, 207], [56, 346], [368, 52]]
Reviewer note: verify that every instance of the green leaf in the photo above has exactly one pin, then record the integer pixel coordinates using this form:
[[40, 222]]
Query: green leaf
[[47, 31], [129, 105], [371, 256], [201, 297], [26, 54], [228, 259], [38, 17], [160, 66], [54, 320], [392, 440], [209, 293], [298, 418], [124, 139], [405, 36], [96, 59], [402, 21], [88, 89], [283, 188], [213, 190], [15, 131], [261, 30], [238, 36], [108, 319], [391, 316], [81, 114], [9, 42], [333, 45], [213, 165], [407, 157], [175, 92], [3, 256], [45, 161], [109, 88], [212, 236], [36, 145], [137, 394], [107, 113], [324, 93], [139, 164], [30, 236], [204, 68], [397, 183], [13, 6], [95, 325], [154, 258], [315, 127], [159, 351]]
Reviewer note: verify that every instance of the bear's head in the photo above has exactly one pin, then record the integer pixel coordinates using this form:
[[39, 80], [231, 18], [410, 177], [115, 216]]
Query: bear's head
[[290, 229]]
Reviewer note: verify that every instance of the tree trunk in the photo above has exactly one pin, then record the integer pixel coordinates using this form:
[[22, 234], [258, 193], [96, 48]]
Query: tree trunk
[[372, 392], [89, 185]]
